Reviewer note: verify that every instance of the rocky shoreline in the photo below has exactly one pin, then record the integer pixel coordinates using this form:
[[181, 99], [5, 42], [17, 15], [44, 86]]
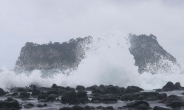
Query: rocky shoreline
[[92, 98]]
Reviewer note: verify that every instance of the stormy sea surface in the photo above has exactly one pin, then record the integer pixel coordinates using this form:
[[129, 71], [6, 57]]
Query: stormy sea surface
[[107, 61]]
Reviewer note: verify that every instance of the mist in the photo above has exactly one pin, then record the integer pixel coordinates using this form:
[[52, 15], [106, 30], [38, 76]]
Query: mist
[[57, 21]]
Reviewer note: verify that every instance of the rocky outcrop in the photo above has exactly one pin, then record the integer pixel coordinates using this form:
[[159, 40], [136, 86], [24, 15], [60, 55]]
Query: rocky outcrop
[[52, 55], [150, 56]]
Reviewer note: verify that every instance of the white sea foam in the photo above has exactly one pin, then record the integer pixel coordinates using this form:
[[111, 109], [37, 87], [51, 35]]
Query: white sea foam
[[108, 61]]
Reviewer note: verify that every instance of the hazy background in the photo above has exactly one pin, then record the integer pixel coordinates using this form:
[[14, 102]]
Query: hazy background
[[41, 21]]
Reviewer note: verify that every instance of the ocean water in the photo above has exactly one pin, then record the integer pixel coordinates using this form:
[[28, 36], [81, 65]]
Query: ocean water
[[108, 61]]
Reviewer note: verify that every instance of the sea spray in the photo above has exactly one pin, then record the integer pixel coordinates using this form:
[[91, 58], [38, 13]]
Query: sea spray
[[107, 61]]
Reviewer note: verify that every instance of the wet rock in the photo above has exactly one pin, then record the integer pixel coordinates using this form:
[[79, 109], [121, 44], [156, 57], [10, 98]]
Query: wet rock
[[96, 100], [142, 107], [109, 108], [40, 105], [41, 97], [33, 86], [114, 89], [51, 97], [108, 100], [160, 108], [174, 101], [89, 108], [29, 105], [92, 88], [24, 94], [9, 103], [2, 92], [178, 85], [99, 107], [135, 104], [169, 86], [70, 98], [18, 89], [15, 94], [73, 97], [162, 96], [11, 109], [35, 92], [53, 91], [150, 96], [54, 86], [82, 97], [69, 88], [133, 89], [80, 88], [101, 90]]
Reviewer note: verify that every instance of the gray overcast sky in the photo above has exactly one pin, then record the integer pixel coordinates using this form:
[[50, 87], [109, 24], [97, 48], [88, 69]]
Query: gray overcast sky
[[41, 21]]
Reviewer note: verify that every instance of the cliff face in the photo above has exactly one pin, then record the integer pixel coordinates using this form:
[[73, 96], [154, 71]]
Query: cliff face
[[52, 55], [149, 55]]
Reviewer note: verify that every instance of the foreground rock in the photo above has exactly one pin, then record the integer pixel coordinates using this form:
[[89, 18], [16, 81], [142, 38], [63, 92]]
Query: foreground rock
[[139, 105], [9, 103], [73, 97], [149, 96], [131, 98]]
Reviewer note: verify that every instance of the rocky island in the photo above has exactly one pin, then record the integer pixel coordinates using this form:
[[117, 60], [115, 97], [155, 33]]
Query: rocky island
[[150, 56], [52, 55]]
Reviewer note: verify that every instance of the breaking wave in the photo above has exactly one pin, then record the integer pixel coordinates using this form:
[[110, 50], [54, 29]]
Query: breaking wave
[[108, 61]]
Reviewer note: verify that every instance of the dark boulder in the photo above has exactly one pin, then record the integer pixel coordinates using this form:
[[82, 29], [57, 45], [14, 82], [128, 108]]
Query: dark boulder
[[101, 89], [2, 92], [73, 97], [40, 105], [82, 97], [35, 91], [169, 86], [29, 105], [133, 89], [54, 86], [69, 98], [160, 108], [114, 89], [33, 86], [174, 101], [96, 100], [92, 88], [149, 96], [24, 94], [18, 89], [80, 88], [15, 94], [69, 89], [136, 104], [162, 96], [51, 97], [9, 103], [89, 108], [177, 85], [41, 97], [109, 108]]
